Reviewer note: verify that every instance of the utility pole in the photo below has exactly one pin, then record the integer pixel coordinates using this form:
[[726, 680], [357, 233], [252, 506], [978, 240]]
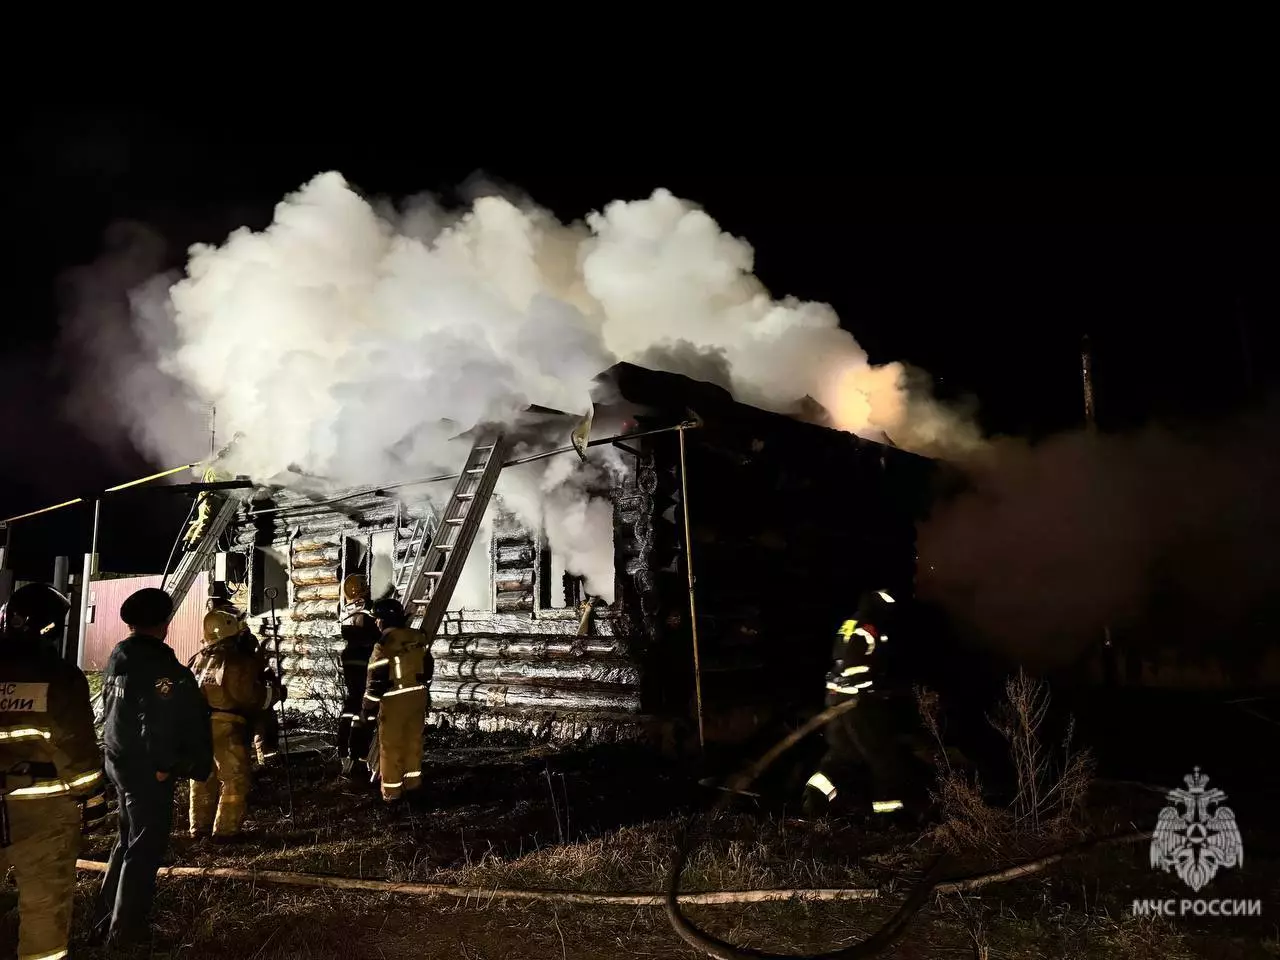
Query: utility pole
[[86, 585], [1091, 424], [6, 575], [1086, 378]]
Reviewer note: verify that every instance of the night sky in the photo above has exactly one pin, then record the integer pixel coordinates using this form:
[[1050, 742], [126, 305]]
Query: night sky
[[988, 284]]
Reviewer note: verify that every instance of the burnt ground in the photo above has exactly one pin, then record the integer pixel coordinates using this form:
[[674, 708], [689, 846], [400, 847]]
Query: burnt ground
[[488, 818]]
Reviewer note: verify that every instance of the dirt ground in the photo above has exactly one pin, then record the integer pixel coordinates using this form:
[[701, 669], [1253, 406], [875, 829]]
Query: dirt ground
[[504, 813]]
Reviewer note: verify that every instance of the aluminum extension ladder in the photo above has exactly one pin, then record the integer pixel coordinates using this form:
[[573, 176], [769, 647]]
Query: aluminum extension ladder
[[194, 562], [421, 530], [436, 572]]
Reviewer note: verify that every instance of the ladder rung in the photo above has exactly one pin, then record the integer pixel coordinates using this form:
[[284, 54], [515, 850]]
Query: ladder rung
[[465, 497], [487, 446], [477, 470], [455, 520], [443, 546]]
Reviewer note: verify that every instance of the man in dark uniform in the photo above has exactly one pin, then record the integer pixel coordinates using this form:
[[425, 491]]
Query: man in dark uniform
[[49, 766], [156, 732], [360, 634], [865, 765]]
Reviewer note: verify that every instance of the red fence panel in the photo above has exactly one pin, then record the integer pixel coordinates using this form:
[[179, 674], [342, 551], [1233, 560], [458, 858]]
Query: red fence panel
[[106, 629]]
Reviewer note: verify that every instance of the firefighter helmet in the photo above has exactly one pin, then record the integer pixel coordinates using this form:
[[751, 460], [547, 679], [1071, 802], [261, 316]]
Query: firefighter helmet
[[355, 588], [221, 624], [34, 610], [877, 607], [389, 612]]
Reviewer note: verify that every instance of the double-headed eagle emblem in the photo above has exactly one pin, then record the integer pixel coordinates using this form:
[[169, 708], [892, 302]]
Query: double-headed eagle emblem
[[1194, 842]]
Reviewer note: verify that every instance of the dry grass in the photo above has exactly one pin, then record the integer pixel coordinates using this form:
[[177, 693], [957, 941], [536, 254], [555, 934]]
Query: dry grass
[[337, 833], [1051, 787], [739, 853]]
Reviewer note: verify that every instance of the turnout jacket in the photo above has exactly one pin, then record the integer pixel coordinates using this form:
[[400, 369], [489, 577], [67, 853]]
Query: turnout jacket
[[232, 676], [155, 717], [855, 666], [400, 663], [47, 741]]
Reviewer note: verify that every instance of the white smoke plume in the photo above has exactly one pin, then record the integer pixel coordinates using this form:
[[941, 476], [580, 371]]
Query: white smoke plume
[[350, 341]]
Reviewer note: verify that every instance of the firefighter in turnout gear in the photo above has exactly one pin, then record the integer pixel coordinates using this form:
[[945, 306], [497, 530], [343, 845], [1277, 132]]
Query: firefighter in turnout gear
[[360, 635], [266, 727], [863, 765], [156, 730], [205, 505], [266, 730], [229, 673], [49, 766], [396, 694]]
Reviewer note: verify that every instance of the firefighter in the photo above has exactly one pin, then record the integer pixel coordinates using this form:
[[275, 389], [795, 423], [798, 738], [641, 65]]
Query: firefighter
[[864, 765], [360, 633], [229, 673], [204, 512], [396, 695], [266, 728], [156, 731], [49, 765]]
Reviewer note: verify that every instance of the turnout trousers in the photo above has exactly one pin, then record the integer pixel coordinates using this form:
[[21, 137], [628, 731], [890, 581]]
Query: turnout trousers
[[221, 811], [44, 840], [401, 718], [355, 733], [863, 766], [145, 817]]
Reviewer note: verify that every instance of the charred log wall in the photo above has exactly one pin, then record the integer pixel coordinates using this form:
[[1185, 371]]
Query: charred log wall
[[518, 666], [312, 539], [789, 524]]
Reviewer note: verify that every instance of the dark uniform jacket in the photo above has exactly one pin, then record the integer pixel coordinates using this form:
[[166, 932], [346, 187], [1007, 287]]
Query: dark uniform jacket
[[361, 635], [155, 716], [47, 741]]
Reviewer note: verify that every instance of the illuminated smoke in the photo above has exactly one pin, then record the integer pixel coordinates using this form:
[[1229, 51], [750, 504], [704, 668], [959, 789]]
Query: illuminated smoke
[[351, 341]]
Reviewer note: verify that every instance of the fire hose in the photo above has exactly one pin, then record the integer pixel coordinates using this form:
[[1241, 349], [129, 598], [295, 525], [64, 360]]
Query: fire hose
[[893, 929]]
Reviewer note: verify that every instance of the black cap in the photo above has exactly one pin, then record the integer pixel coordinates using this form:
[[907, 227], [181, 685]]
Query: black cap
[[149, 607]]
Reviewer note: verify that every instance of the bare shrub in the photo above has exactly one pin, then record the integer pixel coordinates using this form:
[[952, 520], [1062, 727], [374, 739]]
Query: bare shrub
[[1050, 787]]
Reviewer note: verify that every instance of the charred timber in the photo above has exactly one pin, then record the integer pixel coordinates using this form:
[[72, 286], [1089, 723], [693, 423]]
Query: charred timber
[[500, 648], [568, 672], [314, 575], [514, 580], [322, 591], [507, 601], [446, 692], [327, 555], [513, 554]]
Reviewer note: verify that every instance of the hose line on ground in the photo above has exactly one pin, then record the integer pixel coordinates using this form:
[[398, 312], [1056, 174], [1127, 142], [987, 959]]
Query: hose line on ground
[[891, 930], [485, 894]]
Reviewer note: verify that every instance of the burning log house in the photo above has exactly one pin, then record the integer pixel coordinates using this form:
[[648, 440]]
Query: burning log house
[[789, 520]]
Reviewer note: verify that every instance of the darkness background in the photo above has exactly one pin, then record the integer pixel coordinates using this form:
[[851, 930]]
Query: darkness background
[[989, 284]]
